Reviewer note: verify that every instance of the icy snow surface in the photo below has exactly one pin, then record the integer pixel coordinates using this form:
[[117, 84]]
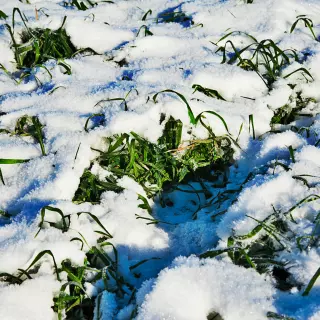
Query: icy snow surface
[[172, 282]]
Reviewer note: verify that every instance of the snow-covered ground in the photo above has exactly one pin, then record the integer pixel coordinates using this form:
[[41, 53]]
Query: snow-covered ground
[[175, 281]]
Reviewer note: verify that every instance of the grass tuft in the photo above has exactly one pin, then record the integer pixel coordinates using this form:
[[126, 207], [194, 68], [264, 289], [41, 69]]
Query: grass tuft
[[31, 126], [291, 110], [266, 58], [83, 5], [157, 167], [307, 23]]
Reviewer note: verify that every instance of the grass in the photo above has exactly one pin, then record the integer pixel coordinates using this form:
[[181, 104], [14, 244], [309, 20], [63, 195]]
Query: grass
[[84, 5], [144, 17], [31, 126], [266, 58], [193, 119], [3, 16], [311, 283], [64, 225], [163, 167], [35, 46], [291, 110], [273, 315], [91, 188], [25, 126], [40, 45], [13, 161], [307, 23], [174, 17], [251, 126], [72, 301], [211, 93], [123, 100], [23, 275], [147, 32], [158, 166], [258, 249]]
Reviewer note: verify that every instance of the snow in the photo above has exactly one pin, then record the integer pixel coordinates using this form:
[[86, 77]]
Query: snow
[[232, 82], [108, 306], [165, 278], [36, 298], [191, 289], [95, 33]]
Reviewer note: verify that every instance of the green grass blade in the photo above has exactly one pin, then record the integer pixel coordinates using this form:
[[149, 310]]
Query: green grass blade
[[190, 113], [96, 219], [1, 177], [3, 15], [251, 125], [311, 283], [89, 118], [39, 256], [215, 114], [13, 161]]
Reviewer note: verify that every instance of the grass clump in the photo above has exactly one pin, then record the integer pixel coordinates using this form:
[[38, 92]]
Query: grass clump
[[157, 167], [289, 112], [258, 249], [37, 45], [91, 188], [72, 301], [83, 5], [307, 23], [264, 57], [31, 126], [162, 166]]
